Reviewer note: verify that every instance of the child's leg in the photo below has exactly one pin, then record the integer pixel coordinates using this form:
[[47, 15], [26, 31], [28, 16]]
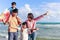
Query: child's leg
[[21, 35], [10, 36], [16, 36]]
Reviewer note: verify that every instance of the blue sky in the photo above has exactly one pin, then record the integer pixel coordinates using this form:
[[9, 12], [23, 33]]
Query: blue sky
[[37, 7]]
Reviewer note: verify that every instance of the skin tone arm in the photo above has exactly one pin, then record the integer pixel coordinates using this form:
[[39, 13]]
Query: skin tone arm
[[19, 21], [36, 29]]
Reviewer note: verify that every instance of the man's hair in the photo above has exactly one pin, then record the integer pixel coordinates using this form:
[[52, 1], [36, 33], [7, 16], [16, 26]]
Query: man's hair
[[13, 3], [24, 23], [30, 15], [15, 10]]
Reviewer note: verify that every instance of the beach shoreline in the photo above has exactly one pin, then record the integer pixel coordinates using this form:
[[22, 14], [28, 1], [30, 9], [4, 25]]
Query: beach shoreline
[[36, 39]]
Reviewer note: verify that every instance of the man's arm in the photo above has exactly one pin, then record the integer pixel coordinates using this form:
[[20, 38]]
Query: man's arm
[[19, 21], [41, 16]]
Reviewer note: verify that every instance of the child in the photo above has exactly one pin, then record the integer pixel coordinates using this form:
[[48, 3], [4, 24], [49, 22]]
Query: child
[[13, 22], [6, 14], [31, 22], [24, 31], [13, 4]]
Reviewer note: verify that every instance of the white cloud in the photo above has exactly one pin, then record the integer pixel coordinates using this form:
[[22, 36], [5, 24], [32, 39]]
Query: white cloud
[[24, 11], [54, 12], [27, 7], [53, 8]]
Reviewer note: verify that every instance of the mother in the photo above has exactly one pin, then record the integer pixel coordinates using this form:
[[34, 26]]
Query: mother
[[31, 22]]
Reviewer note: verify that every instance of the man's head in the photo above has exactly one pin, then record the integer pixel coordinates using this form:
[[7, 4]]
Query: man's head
[[14, 12], [30, 16], [13, 4]]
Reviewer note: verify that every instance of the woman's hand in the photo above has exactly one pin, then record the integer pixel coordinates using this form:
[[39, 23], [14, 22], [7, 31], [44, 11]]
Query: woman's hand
[[37, 28], [45, 13]]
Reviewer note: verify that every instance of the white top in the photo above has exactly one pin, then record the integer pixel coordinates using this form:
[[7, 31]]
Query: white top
[[25, 34]]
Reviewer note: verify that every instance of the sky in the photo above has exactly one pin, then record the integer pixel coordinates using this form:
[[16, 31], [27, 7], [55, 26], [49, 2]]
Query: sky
[[37, 7]]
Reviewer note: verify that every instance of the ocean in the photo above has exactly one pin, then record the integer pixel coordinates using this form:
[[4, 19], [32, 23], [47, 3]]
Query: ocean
[[46, 30]]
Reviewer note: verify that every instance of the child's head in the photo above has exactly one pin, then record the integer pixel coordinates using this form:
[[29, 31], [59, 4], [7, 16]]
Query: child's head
[[24, 25], [30, 16], [14, 12], [13, 4]]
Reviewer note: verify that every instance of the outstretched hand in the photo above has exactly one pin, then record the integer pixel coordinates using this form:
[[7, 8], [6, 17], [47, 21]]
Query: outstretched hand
[[45, 13]]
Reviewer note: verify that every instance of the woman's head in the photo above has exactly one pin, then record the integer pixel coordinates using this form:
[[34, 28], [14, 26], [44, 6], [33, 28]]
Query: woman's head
[[30, 16]]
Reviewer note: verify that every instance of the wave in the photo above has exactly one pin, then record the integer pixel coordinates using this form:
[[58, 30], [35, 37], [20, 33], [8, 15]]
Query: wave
[[50, 37], [48, 25], [3, 35]]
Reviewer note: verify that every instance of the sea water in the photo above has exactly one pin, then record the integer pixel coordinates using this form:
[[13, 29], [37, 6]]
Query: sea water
[[46, 30]]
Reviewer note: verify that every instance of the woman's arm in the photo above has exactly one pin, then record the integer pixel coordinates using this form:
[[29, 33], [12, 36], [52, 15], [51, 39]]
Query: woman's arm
[[41, 16], [35, 29]]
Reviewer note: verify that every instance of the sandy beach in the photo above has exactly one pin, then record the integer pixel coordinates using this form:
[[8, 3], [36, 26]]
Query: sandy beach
[[3, 38]]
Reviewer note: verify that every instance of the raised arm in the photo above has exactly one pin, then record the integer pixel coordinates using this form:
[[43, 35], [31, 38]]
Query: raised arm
[[41, 16]]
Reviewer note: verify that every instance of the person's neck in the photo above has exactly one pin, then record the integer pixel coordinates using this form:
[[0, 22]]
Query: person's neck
[[13, 7], [13, 16], [30, 20], [24, 28]]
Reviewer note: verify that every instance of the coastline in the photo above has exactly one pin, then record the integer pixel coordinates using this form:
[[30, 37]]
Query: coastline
[[36, 39]]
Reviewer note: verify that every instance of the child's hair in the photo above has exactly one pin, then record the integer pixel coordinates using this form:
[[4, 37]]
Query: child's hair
[[13, 3], [24, 23], [30, 15], [15, 10]]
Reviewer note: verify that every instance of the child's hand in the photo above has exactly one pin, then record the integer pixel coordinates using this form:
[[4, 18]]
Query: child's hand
[[4, 23], [19, 28]]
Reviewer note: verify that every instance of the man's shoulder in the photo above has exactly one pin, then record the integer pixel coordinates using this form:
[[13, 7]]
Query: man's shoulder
[[12, 8], [18, 18]]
